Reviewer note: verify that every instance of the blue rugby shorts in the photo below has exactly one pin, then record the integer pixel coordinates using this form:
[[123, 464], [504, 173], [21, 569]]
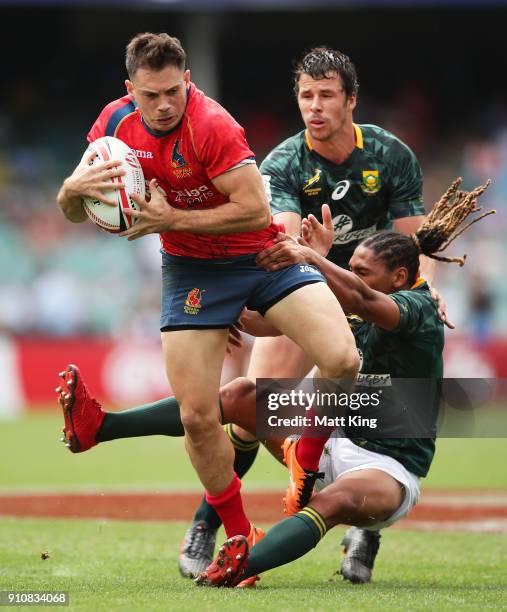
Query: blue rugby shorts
[[211, 293]]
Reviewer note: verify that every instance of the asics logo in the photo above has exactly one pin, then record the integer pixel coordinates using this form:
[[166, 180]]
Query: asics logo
[[340, 190]]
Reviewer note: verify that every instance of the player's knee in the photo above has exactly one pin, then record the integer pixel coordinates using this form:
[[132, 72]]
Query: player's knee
[[352, 362], [338, 507], [237, 391], [341, 364], [198, 423]]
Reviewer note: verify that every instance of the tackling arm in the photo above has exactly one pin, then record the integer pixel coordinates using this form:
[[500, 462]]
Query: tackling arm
[[353, 294]]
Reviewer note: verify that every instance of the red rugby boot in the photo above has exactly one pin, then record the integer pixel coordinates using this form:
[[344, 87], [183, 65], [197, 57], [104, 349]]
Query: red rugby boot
[[82, 413], [254, 537], [229, 565]]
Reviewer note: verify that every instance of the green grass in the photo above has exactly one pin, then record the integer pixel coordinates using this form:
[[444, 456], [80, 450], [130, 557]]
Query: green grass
[[132, 566], [32, 457], [469, 463]]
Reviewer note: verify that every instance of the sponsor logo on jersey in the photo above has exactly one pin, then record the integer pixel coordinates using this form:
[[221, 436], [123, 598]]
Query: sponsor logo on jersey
[[374, 380], [193, 302], [143, 154], [340, 190], [193, 197], [371, 182], [307, 187], [342, 225], [369, 380], [343, 235], [179, 163]]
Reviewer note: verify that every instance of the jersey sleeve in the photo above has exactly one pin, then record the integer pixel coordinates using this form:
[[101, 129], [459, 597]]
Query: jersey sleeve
[[96, 131], [111, 117], [416, 310], [279, 182], [406, 197], [220, 143]]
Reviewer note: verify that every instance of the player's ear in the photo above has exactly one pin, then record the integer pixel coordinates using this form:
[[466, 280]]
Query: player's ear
[[186, 76], [130, 86], [352, 101], [400, 277]]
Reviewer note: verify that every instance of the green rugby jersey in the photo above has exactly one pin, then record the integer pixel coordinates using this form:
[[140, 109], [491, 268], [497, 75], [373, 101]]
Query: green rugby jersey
[[380, 181], [413, 350]]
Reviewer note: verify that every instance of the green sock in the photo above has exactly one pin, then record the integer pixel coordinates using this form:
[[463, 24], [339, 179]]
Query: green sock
[[245, 453], [159, 418], [287, 541]]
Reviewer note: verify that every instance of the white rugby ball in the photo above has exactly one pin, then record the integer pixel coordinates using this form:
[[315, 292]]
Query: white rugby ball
[[112, 218]]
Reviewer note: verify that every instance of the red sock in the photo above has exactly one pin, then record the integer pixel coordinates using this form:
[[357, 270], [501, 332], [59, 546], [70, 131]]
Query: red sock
[[229, 507], [309, 448]]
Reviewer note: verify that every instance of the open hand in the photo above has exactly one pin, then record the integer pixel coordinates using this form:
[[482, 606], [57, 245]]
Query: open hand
[[442, 308], [318, 236], [284, 253]]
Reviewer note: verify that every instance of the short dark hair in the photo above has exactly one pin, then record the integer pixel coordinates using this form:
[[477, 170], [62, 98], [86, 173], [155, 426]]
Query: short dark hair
[[320, 61], [154, 51]]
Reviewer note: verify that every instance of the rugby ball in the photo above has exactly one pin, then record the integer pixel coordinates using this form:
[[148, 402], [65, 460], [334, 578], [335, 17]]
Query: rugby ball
[[112, 218]]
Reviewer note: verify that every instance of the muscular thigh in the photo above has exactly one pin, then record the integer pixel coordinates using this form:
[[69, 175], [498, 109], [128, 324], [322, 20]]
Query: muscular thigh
[[193, 359], [361, 498], [278, 357], [313, 318]]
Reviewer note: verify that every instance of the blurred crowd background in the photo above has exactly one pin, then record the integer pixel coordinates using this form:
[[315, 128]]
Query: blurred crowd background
[[433, 75]]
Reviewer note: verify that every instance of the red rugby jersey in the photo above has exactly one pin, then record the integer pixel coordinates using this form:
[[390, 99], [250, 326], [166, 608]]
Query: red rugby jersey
[[206, 143]]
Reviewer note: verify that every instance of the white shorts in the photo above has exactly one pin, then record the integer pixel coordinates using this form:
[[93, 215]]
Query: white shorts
[[341, 456]]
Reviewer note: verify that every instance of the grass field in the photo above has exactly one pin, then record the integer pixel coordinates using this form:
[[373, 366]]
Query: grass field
[[32, 457], [126, 566], [113, 565]]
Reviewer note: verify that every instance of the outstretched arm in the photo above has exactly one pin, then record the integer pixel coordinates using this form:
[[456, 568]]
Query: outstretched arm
[[353, 294]]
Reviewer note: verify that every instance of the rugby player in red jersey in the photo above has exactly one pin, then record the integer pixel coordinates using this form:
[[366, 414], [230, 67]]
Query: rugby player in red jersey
[[209, 206]]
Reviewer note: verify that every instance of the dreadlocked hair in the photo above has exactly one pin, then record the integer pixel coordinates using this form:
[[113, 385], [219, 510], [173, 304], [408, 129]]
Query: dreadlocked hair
[[439, 229], [441, 225]]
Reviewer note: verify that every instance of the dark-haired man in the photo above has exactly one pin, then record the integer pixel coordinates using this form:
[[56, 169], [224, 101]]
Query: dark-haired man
[[369, 178], [210, 208]]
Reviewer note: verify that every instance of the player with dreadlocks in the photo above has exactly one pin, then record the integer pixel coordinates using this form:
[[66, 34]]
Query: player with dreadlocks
[[398, 312], [371, 181], [369, 483]]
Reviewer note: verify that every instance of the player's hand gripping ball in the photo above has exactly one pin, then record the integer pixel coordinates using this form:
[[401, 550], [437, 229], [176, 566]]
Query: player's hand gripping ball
[[107, 217]]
